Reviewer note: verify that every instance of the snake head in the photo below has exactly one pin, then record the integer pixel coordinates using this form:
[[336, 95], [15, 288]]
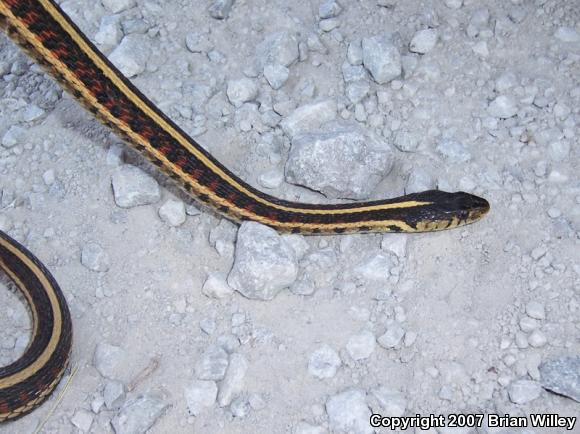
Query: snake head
[[445, 210]]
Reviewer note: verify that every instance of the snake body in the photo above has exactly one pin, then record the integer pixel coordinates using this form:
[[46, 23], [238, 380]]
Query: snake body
[[45, 32]]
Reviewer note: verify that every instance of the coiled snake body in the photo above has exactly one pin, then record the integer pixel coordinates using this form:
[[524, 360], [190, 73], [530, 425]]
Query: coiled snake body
[[42, 29]]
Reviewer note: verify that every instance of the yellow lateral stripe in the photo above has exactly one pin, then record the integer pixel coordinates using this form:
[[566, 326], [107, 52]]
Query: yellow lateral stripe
[[24, 291], [354, 225], [183, 140], [30, 370]]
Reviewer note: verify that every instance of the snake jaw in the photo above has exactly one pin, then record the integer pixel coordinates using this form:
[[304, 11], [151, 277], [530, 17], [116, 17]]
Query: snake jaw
[[479, 209], [448, 210]]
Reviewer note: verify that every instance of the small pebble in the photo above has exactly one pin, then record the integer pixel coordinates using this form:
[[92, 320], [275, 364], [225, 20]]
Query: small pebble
[[423, 41], [133, 187], [382, 58], [212, 364], [528, 324], [348, 412], [271, 179], [82, 419], [117, 6], [208, 325], [200, 395], [535, 309], [524, 391], [354, 53], [562, 376], [392, 337], [131, 55], [109, 34], [139, 414], [216, 286], [278, 48], [329, 9], [276, 75], [95, 258], [115, 155], [107, 359], [309, 117], [567, 34], [114, 394], [453, 4], [455, 151], [220, 9], [538, 253], [502, 107], [554, 213], [361, 346], [537, 339], [49, 177], [172, 212], [388, 402], [233, 381], [329, 24], [264, 263], [241, 91], [240, 407], [14, 136], [324, 362]]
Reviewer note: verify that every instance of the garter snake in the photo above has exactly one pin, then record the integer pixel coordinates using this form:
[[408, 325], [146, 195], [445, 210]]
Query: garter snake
[[44, 31]]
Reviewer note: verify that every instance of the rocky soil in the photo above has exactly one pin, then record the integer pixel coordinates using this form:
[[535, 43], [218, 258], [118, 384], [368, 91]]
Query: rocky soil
[[185, 322]]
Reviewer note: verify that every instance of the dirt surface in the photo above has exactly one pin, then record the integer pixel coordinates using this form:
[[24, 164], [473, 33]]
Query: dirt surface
[[468, 301]]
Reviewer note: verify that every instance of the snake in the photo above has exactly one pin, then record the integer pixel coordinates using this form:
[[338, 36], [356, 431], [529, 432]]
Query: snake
[[54, 41]]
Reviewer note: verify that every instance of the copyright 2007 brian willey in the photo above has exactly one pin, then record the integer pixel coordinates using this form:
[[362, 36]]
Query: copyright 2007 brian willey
[[539, 420]]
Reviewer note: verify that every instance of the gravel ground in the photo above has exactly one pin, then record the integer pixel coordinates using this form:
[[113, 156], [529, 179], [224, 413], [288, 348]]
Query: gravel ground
[[184, 322]]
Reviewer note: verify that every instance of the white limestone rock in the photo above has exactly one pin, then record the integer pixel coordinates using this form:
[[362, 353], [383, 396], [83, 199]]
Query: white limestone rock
[[241, 90], [276, 75], [278, 48], [264, 262], [502, 107], [362, 345], [139, 414], [309, 117], [117, 6], [562, 376], [172, 212], [133, 187], [349, 413], [95, 258], [524, 391], [233, 381], [340, 161], [212, 364], [220, 9], [324, 362], [382, 58], [200, 395], [423, 41], [131, 54]]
